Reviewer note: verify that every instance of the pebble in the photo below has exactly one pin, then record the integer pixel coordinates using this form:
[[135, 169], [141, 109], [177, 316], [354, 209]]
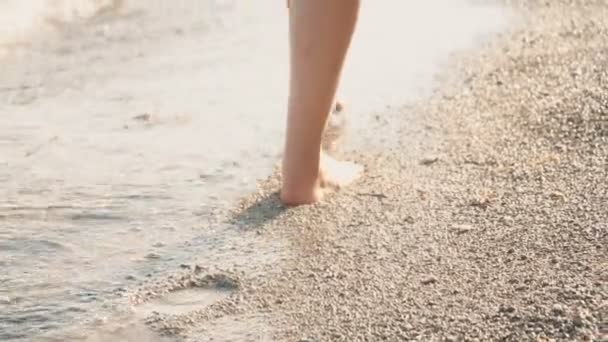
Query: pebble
[[451, 338], [430, 160], [558, 309], [146, 117], [429, 280], [153, 256], [461, 228]]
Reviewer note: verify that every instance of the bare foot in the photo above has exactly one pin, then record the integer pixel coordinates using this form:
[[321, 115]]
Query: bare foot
[[333, 175]]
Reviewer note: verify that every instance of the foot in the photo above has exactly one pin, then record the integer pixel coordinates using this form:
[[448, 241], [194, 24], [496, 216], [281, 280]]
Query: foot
[[333, 175]]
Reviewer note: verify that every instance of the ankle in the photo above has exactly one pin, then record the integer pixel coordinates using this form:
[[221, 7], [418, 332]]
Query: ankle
[[293, 196]]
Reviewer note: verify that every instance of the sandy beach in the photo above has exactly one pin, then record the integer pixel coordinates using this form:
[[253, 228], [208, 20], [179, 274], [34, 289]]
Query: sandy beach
[[488, 222], [481, 217]]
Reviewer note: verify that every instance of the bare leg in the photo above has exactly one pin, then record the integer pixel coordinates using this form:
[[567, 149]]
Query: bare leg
[[320, 34]]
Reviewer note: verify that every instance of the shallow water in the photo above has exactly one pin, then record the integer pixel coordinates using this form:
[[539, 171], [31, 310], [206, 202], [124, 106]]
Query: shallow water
[[123, 135], [184, 301]]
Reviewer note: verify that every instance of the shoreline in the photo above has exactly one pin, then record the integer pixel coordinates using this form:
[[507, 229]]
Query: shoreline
[[118, 169], [40, 20], [484, 221], [502, 237]]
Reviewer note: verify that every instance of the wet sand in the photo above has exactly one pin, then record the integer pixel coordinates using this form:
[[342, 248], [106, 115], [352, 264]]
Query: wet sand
[[481, 217], [487, 222], [128, 132]]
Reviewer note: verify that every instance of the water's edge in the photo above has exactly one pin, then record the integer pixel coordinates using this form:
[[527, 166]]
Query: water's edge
[[125, 139]]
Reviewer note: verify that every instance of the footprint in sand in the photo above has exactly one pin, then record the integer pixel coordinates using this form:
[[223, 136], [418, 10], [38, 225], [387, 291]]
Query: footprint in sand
[[184, 301], [205, 292]]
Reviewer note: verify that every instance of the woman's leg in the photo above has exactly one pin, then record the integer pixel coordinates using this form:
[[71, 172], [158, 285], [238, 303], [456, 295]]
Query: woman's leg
[[320, 35]]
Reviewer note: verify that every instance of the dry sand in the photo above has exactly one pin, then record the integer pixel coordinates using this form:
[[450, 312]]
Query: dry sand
[[487, 223]]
